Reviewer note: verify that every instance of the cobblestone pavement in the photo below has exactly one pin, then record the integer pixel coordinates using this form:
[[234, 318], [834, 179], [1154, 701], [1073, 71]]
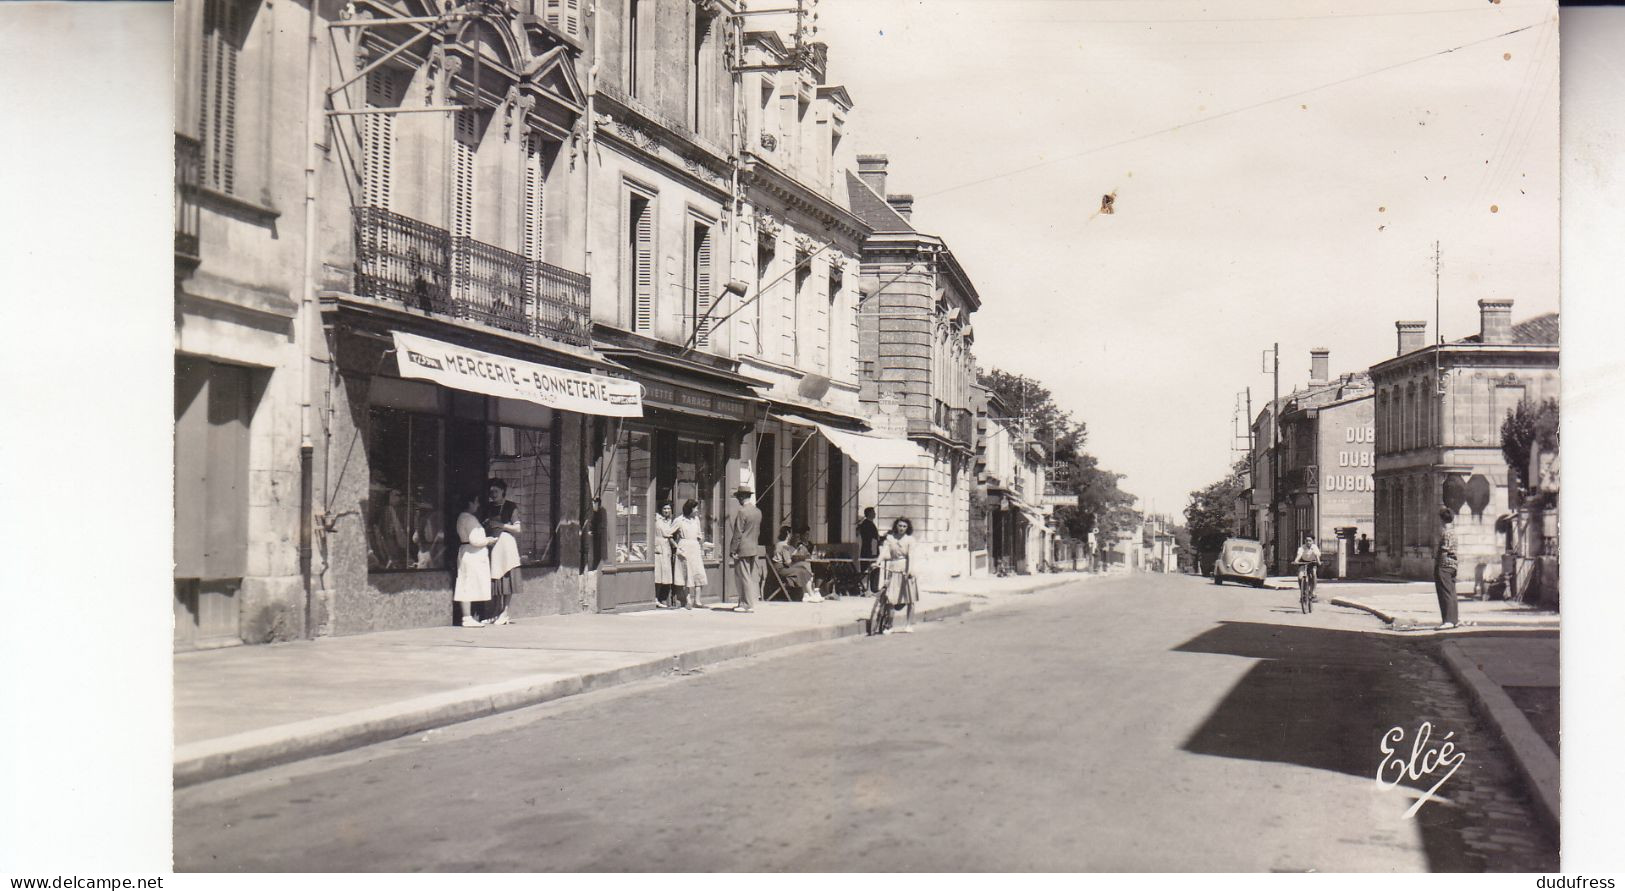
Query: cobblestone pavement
[[1142, 723]]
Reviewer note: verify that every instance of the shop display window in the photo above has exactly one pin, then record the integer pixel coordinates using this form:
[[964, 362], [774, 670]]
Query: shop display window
[[420, 447], [696, 476], [406, 512], [631, 478]]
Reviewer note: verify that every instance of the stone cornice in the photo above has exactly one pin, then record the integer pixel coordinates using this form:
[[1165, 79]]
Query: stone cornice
[[649, 131], [1470, 355], [759, 176]]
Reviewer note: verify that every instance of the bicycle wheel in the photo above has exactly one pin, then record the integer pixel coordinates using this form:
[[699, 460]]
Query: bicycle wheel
[[879, 615], [1303, 597]]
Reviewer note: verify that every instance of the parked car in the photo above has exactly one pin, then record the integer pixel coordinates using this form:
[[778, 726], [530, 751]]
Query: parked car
[[1240, 560]]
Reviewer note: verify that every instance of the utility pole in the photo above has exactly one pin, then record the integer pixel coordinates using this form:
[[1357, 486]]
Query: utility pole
[[1275, 451]]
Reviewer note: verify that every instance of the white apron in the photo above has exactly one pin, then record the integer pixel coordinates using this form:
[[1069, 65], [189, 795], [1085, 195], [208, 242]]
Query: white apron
[[473, 561]]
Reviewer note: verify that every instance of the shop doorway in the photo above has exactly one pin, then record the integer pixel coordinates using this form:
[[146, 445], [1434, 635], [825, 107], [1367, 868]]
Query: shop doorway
[[767, 472], [214, 410]]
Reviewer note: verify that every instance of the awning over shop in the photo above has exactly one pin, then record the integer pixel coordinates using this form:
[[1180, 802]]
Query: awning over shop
[[474, 371], [866, 448]]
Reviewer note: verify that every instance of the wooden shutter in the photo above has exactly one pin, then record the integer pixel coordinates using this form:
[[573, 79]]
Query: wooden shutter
[[378, 141], [217, 121], [703, 293], [464, 144], [564, 15], [535, 190], [643, 265]]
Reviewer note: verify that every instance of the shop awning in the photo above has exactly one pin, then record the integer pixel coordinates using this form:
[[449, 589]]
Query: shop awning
[[866, 448], [474, 371]]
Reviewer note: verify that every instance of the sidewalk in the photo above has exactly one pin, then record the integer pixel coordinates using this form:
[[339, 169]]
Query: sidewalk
[[244, 708], [1412, 606], [1504, 655]]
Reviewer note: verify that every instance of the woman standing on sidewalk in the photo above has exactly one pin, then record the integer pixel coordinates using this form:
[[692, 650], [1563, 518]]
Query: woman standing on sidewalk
[[665, 551], [473, 562], [501, 519], [897, 567], [689, 571]]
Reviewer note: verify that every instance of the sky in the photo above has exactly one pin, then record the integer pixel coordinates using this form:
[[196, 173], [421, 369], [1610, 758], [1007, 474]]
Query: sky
[[1282, 170]]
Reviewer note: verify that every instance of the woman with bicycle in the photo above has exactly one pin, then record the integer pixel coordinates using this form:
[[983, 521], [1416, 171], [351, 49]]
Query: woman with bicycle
[[898, 584]]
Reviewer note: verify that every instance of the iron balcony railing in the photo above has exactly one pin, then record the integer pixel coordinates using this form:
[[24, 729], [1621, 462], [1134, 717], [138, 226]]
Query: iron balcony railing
[[427, 268], [961, 425], [188, 175]]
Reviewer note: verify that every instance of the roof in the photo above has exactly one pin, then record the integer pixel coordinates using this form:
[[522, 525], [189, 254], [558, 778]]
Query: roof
[[1541, 330], [872, 208]]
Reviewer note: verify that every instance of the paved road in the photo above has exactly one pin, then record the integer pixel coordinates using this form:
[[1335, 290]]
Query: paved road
[[1137, 723]]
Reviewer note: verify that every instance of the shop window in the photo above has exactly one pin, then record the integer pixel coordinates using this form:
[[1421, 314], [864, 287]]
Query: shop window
[[527, 460], [631, 477], [696, 477], [408, 519], [427, 452]]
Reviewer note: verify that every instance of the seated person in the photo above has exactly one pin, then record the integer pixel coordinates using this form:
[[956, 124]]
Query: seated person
[[790, 558]]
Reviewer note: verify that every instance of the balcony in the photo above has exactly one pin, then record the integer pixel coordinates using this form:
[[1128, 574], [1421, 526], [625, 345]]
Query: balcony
[[188, 175], [961, 425], [428, 269]]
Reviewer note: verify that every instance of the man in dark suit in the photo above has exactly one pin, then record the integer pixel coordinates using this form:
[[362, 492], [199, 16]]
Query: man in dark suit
[[746, 549]]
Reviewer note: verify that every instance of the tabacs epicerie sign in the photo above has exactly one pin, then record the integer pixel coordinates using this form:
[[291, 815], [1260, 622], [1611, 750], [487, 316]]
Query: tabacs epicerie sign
[[476, 372]]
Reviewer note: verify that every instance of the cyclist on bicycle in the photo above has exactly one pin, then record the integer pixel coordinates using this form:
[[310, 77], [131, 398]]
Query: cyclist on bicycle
[[1308, 563]]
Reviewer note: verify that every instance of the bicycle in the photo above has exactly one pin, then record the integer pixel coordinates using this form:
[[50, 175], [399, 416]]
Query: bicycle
[[880, 615], [1306, 586]]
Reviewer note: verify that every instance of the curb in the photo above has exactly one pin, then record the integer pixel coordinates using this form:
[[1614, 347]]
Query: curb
[[1355, 604], [214, 759], [1536, 762]]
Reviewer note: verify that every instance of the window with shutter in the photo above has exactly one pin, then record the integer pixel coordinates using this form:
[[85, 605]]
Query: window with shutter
[[833, 323], [564, 16], [700, 275], [641, 259], [464, 145], [535, 190], [378, 140], [218, 116]]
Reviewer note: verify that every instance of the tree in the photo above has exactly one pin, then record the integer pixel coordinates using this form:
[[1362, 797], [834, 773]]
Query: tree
[[1102, 507], [1525, 427], [1210, 517]]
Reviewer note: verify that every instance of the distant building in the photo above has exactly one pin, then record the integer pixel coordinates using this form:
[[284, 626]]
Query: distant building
[[917, 370], [1438, 416], [1327, 488]]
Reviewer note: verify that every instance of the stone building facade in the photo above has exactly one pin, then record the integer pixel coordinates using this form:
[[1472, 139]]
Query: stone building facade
[[917, 368], [241, 324], [1326, 469], [1438, 415], [797, 254]]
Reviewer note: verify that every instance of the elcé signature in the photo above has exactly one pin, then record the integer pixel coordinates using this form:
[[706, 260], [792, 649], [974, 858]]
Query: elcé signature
[[1424, 761]]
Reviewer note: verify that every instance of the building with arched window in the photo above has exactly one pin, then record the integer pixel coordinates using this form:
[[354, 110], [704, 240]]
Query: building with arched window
[[1438, 416]]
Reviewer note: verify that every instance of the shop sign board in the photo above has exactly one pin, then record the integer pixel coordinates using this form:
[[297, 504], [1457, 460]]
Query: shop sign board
[[699, 402], [474, 371]]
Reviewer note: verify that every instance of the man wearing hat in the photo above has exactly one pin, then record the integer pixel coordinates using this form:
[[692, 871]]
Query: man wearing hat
[[745, 530]]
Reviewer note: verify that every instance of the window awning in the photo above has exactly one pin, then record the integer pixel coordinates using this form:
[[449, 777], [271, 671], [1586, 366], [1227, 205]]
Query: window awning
[[474, 371], [866, 448]]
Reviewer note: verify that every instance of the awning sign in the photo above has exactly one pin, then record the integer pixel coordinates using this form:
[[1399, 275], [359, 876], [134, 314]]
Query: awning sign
[[464, 369]]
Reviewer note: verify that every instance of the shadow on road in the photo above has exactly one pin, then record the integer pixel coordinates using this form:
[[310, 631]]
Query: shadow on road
[[1323, 699]]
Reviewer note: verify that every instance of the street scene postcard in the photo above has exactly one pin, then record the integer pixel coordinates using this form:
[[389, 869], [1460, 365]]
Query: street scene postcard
[[805, 436]]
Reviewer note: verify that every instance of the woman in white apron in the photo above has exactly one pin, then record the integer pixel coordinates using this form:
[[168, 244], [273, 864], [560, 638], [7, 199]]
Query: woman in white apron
[[473, 562], [897, 564], [665, 553], [501, 519], [689, 572]]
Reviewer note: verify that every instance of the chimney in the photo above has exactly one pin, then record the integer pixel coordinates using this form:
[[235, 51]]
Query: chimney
[[1319, 360], [903, 204], [872, 170], [1495, 321], [1412, 336]]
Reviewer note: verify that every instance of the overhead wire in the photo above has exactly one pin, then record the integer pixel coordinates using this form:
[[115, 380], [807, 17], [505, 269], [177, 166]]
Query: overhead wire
[[1220, 115]]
